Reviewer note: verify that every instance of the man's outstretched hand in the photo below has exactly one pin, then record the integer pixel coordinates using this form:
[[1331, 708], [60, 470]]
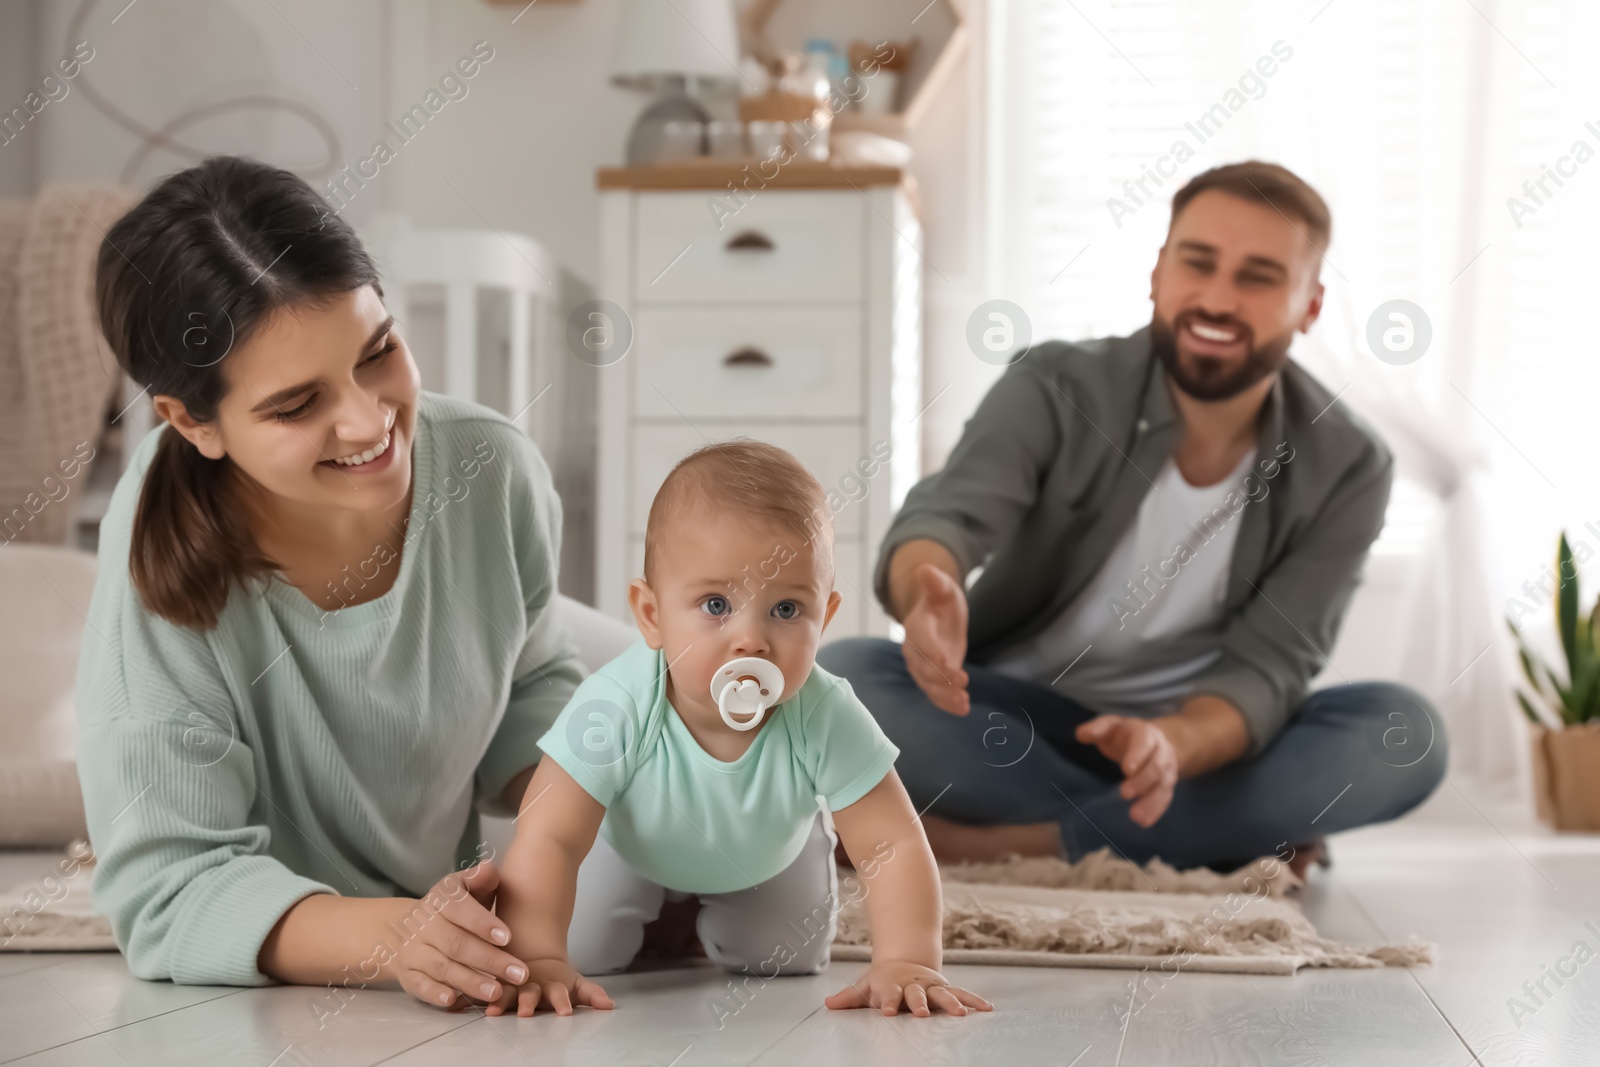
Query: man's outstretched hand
[[936, 638], [1147, 757]]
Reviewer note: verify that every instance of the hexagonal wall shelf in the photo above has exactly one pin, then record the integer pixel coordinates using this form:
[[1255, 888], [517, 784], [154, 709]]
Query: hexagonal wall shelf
[[770, 27]]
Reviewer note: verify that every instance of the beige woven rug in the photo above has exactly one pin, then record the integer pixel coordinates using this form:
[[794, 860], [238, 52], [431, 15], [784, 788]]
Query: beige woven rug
[[1099, 912], [1104, 911], [53, 911]]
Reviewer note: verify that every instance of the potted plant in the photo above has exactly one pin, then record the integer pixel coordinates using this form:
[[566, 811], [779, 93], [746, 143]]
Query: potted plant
[[1565, 718]]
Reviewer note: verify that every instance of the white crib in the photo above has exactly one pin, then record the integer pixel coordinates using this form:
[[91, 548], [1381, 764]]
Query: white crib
[[460, 263]]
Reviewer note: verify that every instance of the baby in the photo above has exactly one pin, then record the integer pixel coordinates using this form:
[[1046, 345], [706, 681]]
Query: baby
[[699, 754]]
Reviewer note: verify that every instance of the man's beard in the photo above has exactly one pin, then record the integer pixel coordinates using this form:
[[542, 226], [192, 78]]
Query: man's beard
[[1210, 378]]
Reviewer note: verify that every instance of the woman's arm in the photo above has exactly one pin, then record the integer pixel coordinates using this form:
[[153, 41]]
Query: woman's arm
[[433, 947], [556, 829], [186, 876], [322, 935], [904, 906]]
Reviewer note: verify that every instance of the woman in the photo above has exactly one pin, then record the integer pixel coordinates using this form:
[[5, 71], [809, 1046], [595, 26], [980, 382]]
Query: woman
[[321, 635]]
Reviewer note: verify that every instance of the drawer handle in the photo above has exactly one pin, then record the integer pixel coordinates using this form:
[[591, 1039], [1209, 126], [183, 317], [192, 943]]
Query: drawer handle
[[750, 241], [747, 357]]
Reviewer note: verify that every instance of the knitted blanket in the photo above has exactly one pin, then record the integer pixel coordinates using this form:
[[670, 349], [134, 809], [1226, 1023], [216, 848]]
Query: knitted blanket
[[57, 374]]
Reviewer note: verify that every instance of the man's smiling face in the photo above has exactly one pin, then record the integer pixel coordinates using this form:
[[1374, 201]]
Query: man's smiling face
[[1233, 284]]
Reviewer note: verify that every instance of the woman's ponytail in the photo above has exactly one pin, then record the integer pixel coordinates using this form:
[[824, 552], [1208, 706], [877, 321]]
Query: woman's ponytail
[[188, 546]]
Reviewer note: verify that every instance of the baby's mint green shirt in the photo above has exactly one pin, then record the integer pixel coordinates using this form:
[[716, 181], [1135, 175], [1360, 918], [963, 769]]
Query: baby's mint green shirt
[[683, 818]]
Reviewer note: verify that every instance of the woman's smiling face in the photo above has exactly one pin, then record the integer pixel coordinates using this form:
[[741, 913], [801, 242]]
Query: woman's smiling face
[[315, 386]]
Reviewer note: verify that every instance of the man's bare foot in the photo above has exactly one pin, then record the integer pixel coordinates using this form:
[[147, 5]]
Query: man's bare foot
[[1313, 851]]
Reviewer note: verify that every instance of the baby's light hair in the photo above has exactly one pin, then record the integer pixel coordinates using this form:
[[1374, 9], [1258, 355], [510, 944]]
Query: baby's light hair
[[749, 481]]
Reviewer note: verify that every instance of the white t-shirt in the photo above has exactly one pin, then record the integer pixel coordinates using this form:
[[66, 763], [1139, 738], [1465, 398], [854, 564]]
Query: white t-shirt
[[1151, 619]]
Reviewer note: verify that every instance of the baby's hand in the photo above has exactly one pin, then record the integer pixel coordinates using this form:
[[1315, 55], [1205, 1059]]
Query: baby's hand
[[886, 982], [551, 982]]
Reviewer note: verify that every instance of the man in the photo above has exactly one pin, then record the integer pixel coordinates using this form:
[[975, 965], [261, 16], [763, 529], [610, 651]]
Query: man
[[1169, 528]]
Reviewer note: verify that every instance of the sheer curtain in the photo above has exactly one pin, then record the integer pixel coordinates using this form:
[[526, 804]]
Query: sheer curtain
[[1419, 121]]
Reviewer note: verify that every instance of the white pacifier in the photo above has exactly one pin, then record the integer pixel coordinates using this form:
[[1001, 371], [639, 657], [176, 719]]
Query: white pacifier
[[746, 686]]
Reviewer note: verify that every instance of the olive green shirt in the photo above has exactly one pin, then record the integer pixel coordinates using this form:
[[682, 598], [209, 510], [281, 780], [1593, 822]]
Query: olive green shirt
[[1050, 471]]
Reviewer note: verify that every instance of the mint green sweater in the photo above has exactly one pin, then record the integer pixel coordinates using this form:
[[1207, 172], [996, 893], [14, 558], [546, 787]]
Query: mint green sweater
[[292, 750]]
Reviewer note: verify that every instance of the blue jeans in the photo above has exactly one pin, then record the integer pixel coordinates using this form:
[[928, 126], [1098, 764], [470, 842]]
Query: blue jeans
[[1350, 755]]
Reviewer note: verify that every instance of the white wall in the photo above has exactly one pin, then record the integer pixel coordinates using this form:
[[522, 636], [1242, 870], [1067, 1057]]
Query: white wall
[[159, 65], [20, 69], [523, 146]]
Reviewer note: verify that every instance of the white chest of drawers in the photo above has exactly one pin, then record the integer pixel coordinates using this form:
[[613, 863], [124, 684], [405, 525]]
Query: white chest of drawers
[[796, 321]]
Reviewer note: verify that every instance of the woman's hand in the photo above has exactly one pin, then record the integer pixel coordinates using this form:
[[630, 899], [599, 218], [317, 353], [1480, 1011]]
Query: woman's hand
[[452, 951], [555, 983], [935, 644], [888, 981]]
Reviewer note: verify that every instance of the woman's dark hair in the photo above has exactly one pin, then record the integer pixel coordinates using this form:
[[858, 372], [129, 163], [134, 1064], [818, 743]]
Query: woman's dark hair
[[196, 269]]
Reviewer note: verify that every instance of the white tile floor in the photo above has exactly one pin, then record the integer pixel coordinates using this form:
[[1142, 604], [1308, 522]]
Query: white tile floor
[[1503, 899]]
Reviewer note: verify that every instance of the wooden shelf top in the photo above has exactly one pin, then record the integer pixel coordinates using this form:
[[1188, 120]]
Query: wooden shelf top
[[717, 173]]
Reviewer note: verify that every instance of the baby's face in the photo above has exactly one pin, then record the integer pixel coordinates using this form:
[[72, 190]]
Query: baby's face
[[726, 589]]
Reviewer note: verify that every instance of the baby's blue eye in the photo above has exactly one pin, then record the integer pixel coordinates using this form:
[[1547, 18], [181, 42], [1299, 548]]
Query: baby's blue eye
[[794, 609], [715, 604]]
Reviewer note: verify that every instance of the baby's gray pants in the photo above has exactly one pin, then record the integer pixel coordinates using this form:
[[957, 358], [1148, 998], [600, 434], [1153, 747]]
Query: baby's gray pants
[[785, 925]]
